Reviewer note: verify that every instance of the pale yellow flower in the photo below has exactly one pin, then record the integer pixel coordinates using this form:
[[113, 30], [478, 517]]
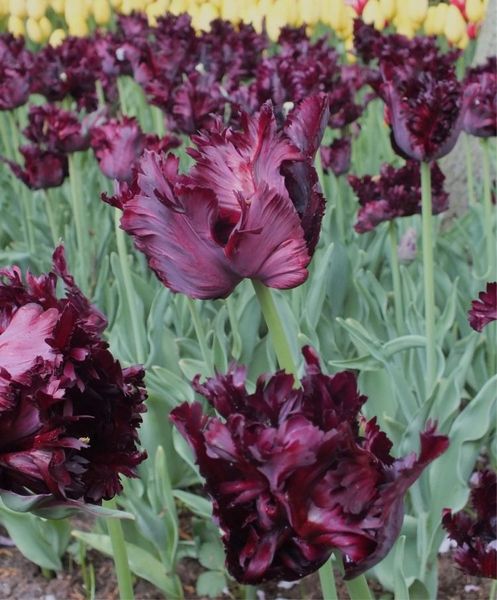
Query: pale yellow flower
[[17, 8], [15, 26], [36, 9], [416, 10], [475, 10], [33, 31], [102, 12], [455, 25], [373, 15], [57, 37]]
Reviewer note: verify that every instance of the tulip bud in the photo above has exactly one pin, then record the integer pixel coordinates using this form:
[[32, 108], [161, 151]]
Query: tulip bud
[[276, 19], [455, 26], [206, 14], [15, 25], [78, 28], [429, 24], [178, 6], [75, 11], [308, 11], [33, 31], [57, 37], [116, 4], [439, 18], [102, 12], [475, 11], [17, 8], [58, 6], [416, 10], [46, 27], [373, 15], [229, 11]]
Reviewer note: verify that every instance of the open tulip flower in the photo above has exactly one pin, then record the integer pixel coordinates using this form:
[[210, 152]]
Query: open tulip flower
[[476, 536], [395, 193], [68, 412], [15, 72], [484, 310], [295, 473], [480, 92], [251, 206], [42, 169]]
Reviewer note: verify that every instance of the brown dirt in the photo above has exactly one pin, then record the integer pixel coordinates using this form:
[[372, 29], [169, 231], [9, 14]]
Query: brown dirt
[[22, 580]]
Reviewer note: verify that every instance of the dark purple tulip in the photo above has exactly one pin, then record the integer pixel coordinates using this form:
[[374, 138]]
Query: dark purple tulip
[[15, 72], [117, 145], [480, 93], [42, 169], [425, 111], [250, 206], [68, 413], [395, 193], [337, 156], [57, 130], [484, 310], [476, 535], [294, 474]]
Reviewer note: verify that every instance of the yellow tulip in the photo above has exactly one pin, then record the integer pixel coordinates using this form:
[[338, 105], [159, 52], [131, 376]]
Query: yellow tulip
[[475, 11], [116, 4], [388, 8], [58, 6], [178, 6], [15, 25], [57, 37], [102, 12], [4, 8], [78, 28], [17, 8], [33, 31], [230, 11], [405, 26], [276, 19], [455, 25], [156, 9], [416, 10], [463, 42], [206, 14], [429, 25], [75, 11], [46, 27], [439, 18], [373, 15], [36, 9], [308, 12]]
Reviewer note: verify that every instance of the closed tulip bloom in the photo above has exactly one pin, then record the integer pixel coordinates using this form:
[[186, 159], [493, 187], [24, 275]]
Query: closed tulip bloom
[[484, 310], [68, 412], [337, 156], [294, 474], [250, 206], [476, 534], [480, 93]]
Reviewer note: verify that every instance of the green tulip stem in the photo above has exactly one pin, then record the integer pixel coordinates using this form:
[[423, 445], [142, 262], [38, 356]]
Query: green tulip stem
[[358, 589], [279, 337], [79, 216], [469, 171], [129, 288], [429, 280], [52, 222], [200, 333], [488, 214], [397, 290], [327, 580], [249, 592], [120, 555]]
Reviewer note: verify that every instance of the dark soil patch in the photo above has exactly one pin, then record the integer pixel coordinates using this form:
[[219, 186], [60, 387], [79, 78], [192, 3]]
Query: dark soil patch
[[22, 580]]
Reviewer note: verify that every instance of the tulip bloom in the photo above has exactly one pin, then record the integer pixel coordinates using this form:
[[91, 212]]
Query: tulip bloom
[[480, 93], [337, 156], [476, 536], [15, 72], [68, 412], [294, 474], [484, 310], [251, 206], [395, 193], [42, 169]]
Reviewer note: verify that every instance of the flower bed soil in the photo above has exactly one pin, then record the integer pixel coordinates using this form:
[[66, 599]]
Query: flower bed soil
[[22, 580]]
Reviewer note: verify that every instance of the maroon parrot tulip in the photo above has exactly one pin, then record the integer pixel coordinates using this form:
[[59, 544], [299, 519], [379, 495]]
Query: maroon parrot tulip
[[294, 474], [480, 117], [250, 206], [484, 310], [395, 193], [476, 536], [68, 412], [15, 72], [42, 169], [337, 156]]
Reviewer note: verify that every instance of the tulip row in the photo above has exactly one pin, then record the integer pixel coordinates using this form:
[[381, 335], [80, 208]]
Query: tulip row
[[458, 20], [298, 468]]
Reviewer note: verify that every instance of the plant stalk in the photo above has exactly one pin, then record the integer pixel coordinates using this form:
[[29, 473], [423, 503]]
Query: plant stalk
[[327, 580], [279, 338], [358, 589], [79, 214], [469, 172], [200, 333], [429, 279], [249, 592], [123, 572], [488, 214], [397, 289], [128, 286], [52, 222]]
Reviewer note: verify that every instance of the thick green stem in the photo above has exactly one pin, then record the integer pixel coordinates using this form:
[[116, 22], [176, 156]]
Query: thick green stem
[[52, 222], [358, 589], [429, 280], [123, 573], [340, 209], [79, 215], [327, 580], [249, 592], [130, 291], [122, 95], [488, 214], [200, 333], [469, 172], [279, 338], [397, 290]]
